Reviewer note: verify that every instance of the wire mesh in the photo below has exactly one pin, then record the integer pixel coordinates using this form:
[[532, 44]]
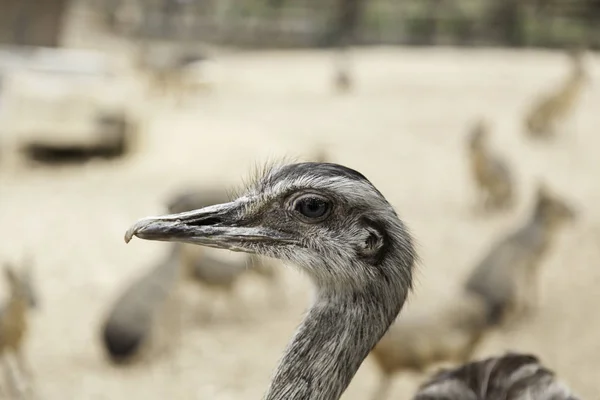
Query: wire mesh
[[317, 23]]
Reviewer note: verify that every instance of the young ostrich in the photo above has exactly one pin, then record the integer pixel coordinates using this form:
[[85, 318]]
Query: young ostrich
[[335, 225]]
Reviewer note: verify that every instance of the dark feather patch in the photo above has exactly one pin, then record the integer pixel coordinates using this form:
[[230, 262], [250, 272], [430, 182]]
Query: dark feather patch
[[506, 377]]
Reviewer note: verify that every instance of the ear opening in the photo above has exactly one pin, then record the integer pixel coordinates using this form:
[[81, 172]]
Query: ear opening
[[376, 242]]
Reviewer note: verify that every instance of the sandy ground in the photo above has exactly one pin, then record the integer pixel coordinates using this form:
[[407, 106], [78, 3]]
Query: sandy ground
[[403, 127]]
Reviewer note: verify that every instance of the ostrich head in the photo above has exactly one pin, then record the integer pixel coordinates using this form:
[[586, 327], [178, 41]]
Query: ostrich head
[[327, 219], [332, 223]]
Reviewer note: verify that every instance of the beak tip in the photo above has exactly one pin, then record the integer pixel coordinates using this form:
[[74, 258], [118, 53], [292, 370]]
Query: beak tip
[[132, 231], [129, 235], [138, 228]]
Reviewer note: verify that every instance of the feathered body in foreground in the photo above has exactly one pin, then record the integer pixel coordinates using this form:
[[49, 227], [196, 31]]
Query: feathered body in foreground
[[332, 223], [509, 377]]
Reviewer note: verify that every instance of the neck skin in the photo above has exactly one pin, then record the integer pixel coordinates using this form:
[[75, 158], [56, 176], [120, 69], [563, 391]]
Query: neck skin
[[333, 340]]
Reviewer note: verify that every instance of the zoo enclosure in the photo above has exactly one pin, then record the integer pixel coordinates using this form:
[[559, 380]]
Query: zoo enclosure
[[311, 23]]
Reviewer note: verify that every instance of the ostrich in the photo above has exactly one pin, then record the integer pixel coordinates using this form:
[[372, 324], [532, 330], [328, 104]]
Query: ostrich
[[332, 223]]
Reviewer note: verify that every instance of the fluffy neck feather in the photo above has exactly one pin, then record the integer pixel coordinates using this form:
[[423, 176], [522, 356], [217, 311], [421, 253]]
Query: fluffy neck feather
[[342, 327], [331, 343]]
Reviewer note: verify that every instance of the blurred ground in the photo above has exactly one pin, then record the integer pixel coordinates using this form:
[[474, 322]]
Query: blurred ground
[[403, 128]]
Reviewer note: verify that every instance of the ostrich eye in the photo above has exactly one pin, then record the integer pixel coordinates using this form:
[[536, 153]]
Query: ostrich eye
[[312, 207]]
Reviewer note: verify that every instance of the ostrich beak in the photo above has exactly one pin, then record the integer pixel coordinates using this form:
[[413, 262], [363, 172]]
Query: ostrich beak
[[220, 226]]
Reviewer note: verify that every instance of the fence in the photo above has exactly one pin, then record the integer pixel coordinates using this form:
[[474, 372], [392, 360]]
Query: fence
[[30, 22], [311, 23]]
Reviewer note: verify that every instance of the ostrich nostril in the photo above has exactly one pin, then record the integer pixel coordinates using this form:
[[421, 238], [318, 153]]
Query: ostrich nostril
[[206, 222]]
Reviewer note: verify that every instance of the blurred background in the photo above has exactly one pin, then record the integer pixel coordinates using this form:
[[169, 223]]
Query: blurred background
[[118, 109]]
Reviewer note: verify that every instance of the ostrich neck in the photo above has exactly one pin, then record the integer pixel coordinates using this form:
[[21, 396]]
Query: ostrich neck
[[331, 343]]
